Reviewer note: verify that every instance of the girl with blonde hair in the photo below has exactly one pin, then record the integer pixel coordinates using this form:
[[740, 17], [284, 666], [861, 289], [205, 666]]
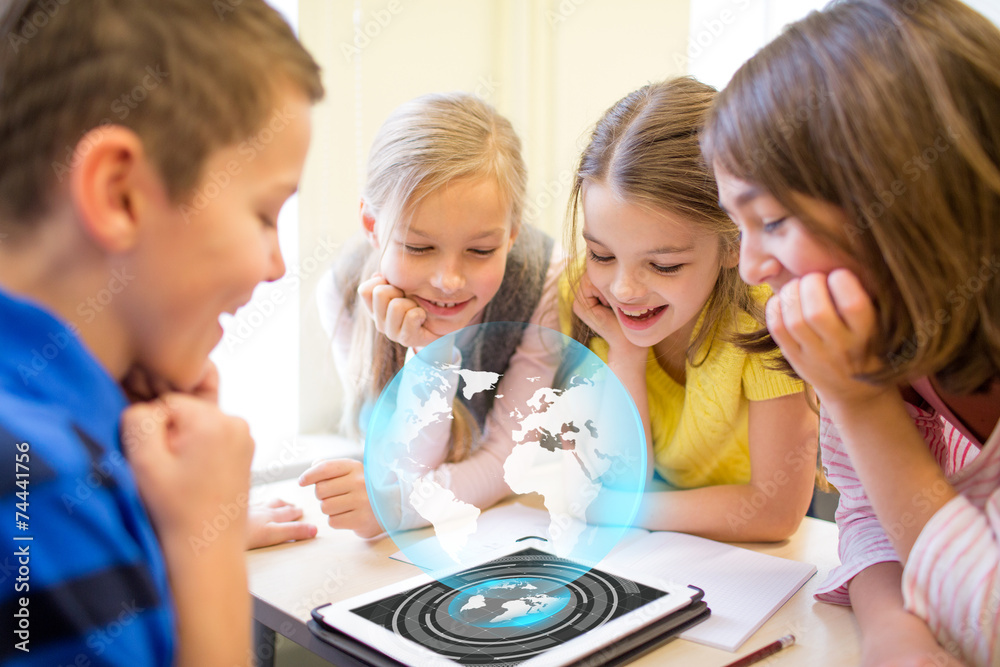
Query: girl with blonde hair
[[443, 246]]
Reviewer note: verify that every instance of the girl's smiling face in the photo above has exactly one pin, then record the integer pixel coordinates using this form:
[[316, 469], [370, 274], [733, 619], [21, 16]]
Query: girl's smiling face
[[451, 254], [653, 268]]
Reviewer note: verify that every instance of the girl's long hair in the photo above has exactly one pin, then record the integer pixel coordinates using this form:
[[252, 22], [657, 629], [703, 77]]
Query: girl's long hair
[[424, 145], [646, 149], [890, 111]]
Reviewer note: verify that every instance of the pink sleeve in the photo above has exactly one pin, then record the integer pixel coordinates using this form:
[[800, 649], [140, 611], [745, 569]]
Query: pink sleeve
[[863, 542], [479, 479], [951, 579]]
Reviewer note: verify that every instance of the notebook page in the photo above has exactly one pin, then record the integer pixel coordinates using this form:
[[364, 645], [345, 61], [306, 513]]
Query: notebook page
[[743, 588]]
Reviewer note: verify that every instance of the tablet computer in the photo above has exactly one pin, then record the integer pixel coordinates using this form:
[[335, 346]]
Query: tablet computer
[[527, 608]]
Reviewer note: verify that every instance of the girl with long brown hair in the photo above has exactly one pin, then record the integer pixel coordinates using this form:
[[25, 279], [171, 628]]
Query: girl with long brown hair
[[859, 154], [658, 296]]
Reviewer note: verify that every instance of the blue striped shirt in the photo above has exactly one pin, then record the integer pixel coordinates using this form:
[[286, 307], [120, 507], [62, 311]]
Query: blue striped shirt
[[81, 572]]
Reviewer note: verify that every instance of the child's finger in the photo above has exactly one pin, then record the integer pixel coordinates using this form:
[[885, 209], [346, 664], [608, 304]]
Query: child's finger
[[324, 470], [337, 505], [382, 298], [208, 386], [290, 531], [363, 523], [853, 303], [395, 317], [793, 319], [277, 502], [194, 419], [338, 486], [818, 310], [142, 385], [779, 333], [284, 513], [144, 429], [366, 288], [411, 334]]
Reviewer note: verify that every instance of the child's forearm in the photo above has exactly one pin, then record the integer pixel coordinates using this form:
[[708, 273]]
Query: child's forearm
[[632, 374], [770, 506], [729, 513], [212, 599], [888, 631], [899, 474]]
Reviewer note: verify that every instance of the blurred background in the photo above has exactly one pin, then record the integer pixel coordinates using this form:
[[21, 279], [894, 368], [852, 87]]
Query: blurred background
[[551, 66]]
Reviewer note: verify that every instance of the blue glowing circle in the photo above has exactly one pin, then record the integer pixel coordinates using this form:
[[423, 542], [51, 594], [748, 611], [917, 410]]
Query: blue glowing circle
[[578, 445], [507, 603]]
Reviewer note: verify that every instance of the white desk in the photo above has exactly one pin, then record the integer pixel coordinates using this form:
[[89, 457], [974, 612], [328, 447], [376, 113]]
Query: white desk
[[289, 580]]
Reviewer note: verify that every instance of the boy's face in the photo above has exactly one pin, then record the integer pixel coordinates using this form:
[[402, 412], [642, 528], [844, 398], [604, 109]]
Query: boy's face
[[196, 261]]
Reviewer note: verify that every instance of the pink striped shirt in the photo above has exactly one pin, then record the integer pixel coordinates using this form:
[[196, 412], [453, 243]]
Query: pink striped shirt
[[951, 579]]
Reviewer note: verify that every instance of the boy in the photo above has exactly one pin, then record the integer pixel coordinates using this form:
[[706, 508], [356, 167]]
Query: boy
[[145, 151]]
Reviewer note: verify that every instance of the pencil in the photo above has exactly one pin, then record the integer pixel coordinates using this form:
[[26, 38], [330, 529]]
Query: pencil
[[763, 652]]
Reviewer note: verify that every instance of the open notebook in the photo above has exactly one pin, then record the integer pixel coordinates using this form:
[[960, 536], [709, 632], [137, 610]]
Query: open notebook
[[743, 588]]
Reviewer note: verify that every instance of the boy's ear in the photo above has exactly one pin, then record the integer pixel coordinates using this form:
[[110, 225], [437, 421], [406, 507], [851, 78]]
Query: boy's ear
[[368, 222], [103, 185]]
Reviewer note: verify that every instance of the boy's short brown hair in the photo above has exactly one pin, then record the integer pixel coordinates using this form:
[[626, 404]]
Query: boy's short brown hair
[[188, 76]]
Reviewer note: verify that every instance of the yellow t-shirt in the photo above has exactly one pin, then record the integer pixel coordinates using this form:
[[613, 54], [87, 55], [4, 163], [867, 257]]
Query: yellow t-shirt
[[700, 429]]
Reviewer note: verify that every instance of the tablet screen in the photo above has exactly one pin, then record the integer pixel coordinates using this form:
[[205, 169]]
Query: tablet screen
[[508, 610]]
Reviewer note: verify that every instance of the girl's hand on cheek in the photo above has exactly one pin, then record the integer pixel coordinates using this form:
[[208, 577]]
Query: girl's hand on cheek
[[591, 307], [396, 316], [824, 325]]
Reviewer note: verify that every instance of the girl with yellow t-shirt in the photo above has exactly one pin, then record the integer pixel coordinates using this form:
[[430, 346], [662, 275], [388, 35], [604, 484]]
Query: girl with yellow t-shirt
[[731, 438]]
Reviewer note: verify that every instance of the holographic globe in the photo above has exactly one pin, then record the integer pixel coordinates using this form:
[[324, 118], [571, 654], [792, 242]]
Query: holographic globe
[[578, 443], [501, 603]]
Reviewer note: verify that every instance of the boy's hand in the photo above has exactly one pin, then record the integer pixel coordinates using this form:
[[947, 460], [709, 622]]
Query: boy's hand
[[191, 463], [824, 325], [340, 488], [276, 522], [396, 316], [141, 385], [591, 307]]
